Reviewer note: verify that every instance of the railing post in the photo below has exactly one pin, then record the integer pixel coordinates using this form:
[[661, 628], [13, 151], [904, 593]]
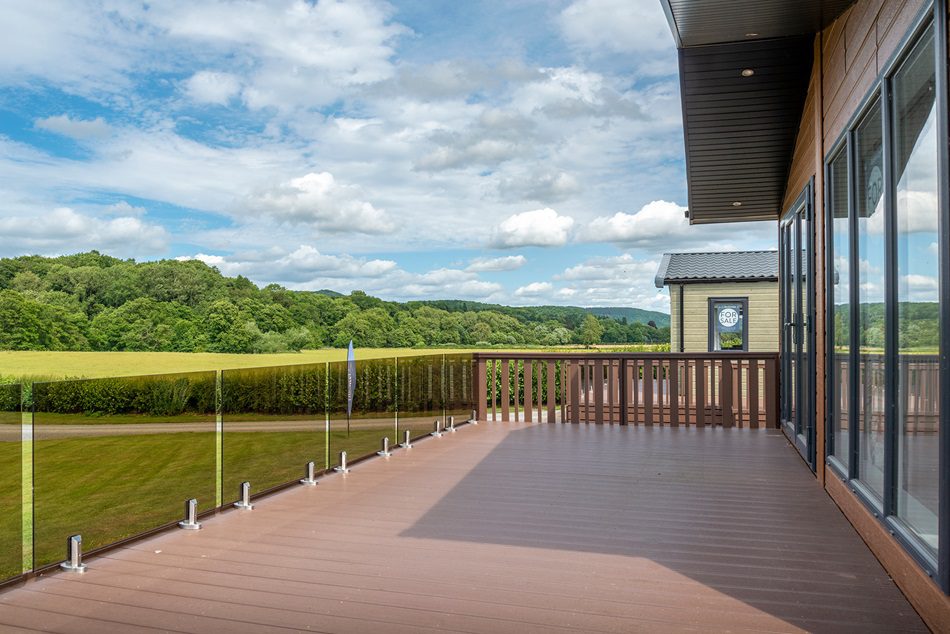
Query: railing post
[[648, 392], [674, 378], [623, 392], [528, 385], [725, 392], [754, 394], [505, 389], [700, 393], [481, 391], [597, 384], [771, 394], [573, 400]]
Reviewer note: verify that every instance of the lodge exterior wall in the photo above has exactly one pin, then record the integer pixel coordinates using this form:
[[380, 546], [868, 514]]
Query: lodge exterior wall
[[763, 314], [849, 57]]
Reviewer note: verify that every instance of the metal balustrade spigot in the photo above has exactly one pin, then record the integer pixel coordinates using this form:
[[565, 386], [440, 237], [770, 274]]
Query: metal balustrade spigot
[[245, 502], [191, 516], [437, 429], [342, 468], [308, 479], [73, 561], [407, 443], [384, 452]]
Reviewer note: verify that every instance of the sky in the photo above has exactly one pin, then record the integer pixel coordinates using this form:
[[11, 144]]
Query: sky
[[522, 152]]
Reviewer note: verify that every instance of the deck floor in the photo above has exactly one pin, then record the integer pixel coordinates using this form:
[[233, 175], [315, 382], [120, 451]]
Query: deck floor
[[505, 528]]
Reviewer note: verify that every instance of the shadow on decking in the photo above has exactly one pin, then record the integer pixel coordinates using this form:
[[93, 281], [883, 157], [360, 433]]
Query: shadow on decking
[[733, 509]]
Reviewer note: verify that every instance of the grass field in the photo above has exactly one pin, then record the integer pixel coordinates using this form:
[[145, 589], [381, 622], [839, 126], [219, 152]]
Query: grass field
[[57, 365], [31, 365]]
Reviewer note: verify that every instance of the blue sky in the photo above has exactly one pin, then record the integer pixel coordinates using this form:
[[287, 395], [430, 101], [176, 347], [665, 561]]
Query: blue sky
[[522, 152]]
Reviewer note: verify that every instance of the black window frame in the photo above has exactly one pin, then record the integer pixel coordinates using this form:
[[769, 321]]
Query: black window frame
[[933, 16], [711, 326]]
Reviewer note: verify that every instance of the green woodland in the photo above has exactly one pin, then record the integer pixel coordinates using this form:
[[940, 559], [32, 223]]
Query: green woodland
[[91, 301]]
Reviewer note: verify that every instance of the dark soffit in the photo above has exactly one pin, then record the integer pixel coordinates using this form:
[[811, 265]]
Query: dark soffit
[[740, 131]]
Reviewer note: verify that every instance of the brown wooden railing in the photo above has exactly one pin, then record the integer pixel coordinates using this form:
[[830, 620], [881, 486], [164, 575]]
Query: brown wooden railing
[[736, 389]]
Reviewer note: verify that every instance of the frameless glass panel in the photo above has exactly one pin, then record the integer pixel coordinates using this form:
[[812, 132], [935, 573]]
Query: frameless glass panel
[[373, 415], [115, 457], [273, 425], [918, 272], [459, 386], [420, 393], [869, 207], [841, 307], [11, 482], [374, 406]]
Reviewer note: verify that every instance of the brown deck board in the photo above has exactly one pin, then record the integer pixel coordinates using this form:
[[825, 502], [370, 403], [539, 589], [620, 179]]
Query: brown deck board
[[505, 528]]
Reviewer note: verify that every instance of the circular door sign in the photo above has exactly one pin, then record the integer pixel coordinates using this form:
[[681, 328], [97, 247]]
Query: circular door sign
[[729, 317]]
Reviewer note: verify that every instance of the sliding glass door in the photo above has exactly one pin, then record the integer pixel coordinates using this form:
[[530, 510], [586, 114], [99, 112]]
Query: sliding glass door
[[796, 293]]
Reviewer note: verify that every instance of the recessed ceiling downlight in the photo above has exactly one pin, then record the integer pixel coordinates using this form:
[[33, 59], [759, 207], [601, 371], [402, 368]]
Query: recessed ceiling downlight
[[747, 72], [737, 204]]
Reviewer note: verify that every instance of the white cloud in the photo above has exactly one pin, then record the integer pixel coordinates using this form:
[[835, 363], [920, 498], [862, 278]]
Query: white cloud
[[539, 228], [307, 269], [123, 208], [545, 187], [616, 26], [304, 53], [317, 199], [622, 270], [534, 289], [212, 87], [662, 226], [64, 230], [301, 265], [79, 129], [503, 263], [654, 220], [919, 288]]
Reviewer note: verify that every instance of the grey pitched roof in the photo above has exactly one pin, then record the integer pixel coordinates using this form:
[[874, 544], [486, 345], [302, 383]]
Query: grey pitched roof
[[723, 266]]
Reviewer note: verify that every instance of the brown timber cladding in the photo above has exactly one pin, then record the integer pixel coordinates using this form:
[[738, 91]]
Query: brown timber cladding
[[849, 57]]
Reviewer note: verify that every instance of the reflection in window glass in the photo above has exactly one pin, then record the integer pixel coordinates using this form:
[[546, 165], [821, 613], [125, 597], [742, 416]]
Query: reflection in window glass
[[841, 303], [728, 321], [915, 174], [869, 207]]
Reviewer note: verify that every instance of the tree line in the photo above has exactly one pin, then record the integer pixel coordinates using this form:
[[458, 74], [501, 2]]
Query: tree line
[[92, 301]]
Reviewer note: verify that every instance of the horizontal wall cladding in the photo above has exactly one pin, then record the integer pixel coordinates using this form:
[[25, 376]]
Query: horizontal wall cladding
[[763, 313]]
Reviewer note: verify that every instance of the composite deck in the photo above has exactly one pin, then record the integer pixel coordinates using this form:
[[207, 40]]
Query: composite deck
[[505, 527]]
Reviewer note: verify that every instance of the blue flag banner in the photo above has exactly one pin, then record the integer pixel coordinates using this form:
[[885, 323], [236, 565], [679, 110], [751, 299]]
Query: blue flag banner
[[350, 378]]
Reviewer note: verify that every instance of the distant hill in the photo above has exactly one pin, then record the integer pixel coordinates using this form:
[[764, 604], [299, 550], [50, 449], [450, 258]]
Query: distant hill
[[560, 313], [91, 301], [641, 315]]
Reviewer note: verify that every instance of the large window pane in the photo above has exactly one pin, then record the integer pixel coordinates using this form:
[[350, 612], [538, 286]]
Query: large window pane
[[841, 306], [869, 165], [915, 170]]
